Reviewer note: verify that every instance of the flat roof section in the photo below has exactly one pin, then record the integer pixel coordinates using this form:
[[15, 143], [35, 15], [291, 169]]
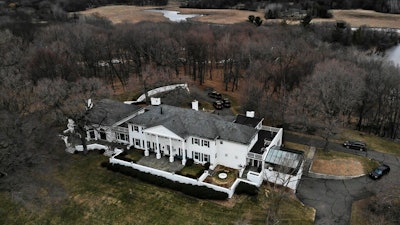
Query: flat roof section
[[264, 137]]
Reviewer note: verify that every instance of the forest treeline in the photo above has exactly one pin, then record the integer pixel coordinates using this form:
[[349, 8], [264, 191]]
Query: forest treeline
[[27, 11], [318, 8], [322, 76]]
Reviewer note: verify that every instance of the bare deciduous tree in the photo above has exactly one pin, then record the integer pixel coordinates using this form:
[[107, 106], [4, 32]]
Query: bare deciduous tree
[[331, 91]]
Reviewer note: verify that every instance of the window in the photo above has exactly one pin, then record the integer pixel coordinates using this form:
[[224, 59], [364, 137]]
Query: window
[[136, 128], [197, 155], [103, 135], [148, 144], [195, 141], [92, 134], [206, 158], [137, 142], [122, 137], [205, 143]]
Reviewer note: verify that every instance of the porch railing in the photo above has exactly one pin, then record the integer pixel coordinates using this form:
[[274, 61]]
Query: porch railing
[[255, 156]]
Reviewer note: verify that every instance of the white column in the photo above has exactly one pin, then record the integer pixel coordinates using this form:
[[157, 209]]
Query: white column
[[183, 152], [146, 149], [158, 155], [171, 156], [130, 128]]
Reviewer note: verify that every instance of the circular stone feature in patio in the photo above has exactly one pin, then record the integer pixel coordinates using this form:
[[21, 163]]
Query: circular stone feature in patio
[[222, 175]]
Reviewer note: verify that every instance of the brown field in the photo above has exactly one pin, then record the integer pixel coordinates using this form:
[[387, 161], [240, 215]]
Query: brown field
[[341, 167], [360, 17], [135, 14]]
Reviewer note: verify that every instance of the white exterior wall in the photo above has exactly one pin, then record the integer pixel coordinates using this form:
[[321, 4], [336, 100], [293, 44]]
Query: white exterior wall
[[192, 148], [231, 154], [136, 135], [110, 134], [277, 141], [284, 179]]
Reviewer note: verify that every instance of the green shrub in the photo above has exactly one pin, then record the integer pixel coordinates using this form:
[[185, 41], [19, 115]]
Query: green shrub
[[189, 162], [245, 188]]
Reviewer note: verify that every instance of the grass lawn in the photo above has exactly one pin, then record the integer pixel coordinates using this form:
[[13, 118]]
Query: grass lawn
[[387, 203], [373, 142], [358, 213], [297, 146], [98, 196], [367, 163], [339, 161]]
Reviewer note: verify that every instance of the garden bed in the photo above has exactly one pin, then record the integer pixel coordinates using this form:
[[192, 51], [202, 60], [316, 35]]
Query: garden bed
[[223, 176]]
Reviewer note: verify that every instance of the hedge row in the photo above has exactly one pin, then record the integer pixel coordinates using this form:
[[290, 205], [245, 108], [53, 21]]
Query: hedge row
[[192, 190], [245, 188]]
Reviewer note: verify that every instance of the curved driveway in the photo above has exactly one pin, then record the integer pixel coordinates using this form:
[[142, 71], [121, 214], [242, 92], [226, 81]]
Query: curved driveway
[[333, 198]]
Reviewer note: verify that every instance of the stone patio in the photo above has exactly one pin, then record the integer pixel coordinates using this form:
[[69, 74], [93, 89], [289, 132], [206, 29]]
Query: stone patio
[[161, 164]]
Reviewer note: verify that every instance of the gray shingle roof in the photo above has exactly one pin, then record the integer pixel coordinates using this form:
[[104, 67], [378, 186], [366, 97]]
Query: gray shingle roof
[[186, 122], [248, 121], [107, 112]]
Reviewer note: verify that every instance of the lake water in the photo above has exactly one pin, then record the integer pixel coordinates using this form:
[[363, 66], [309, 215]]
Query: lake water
[[393, 55], [174, 16]]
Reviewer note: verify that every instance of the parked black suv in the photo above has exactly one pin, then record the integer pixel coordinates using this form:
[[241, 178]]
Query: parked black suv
[[215, 94], [218, 105], [226, 102], [357, 145], [379, 171]]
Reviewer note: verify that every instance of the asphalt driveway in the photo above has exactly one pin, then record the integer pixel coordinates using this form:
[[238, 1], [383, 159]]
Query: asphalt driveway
[[333, 198]]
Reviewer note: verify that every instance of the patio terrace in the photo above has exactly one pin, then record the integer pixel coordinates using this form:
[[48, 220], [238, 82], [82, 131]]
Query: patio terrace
[[176, 167]]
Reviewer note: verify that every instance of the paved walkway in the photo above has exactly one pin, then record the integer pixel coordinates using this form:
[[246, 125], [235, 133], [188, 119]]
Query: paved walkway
[[309, 159]]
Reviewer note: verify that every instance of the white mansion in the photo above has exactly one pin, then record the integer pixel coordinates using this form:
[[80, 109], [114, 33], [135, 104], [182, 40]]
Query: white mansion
[[239, 142]]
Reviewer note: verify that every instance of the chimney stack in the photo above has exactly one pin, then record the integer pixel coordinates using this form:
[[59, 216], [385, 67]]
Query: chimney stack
[[250, 114], [195, 105]]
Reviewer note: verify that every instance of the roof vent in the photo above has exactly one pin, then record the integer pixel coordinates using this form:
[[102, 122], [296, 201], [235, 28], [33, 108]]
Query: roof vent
[[250, 114], [155, 101], [195, 105]]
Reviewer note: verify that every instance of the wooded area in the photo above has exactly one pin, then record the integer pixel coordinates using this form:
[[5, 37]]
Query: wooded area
[[307, 78], [303, 77]]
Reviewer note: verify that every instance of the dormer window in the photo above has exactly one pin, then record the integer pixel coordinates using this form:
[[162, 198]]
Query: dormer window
[[195, 141]]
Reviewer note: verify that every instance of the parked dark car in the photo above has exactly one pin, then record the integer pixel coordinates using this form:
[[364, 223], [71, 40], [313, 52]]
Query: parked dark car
[[218, 105], [379, 171], [226, 102], [214, 94], [357, 145]]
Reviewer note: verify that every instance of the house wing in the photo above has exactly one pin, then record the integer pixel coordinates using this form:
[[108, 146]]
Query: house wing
[[107, 112]]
